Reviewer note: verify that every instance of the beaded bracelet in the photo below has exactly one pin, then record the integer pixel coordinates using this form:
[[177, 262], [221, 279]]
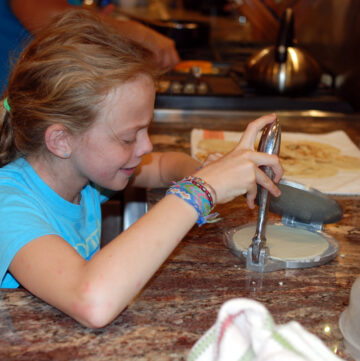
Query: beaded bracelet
[[203, 186], [196, 197]]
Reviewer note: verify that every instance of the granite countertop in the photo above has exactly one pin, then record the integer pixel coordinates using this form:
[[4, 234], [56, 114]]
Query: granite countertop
[[182, 299]]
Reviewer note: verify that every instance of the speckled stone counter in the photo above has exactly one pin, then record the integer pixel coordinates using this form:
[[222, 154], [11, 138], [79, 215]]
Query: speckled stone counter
[[182, 300]]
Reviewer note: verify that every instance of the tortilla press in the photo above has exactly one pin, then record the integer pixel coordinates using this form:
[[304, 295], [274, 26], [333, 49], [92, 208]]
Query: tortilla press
[[301, 207]]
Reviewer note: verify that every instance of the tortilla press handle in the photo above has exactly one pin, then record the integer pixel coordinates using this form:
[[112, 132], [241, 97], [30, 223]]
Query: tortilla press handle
[[269, 143]]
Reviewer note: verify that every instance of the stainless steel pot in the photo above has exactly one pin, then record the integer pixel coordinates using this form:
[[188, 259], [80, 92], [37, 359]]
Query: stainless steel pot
[[284, 68], [185, 33]]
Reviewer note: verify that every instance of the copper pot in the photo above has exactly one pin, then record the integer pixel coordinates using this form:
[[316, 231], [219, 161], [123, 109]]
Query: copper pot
[[284, 68]]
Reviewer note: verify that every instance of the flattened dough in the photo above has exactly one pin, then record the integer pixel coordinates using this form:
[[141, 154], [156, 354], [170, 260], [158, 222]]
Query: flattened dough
[[299, 158], [284, 243]]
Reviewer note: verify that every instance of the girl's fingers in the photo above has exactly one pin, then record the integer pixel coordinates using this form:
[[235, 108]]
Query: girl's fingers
[[251, 195], [272, 161], [267, 160], [244, 161], [212, 158], [249, 136], [263, 180]]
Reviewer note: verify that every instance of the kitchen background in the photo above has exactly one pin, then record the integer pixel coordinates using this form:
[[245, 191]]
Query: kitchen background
[[327, 29]]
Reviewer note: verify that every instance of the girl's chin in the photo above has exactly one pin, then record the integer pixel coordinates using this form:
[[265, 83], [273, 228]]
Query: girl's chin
[[116, 186], [120, 181]]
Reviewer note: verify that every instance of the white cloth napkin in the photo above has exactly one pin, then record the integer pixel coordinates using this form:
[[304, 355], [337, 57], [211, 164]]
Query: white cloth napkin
[[245, 331]]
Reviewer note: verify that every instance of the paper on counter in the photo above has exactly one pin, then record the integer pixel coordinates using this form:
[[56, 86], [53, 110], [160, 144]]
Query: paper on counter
[[343, 183]]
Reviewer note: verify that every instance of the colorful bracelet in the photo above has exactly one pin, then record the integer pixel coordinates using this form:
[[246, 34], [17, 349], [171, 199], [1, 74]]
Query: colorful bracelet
[[197, 197], [204, 187]]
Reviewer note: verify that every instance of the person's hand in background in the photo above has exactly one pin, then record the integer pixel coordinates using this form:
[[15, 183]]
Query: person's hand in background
[[163, 48], [34, 14]]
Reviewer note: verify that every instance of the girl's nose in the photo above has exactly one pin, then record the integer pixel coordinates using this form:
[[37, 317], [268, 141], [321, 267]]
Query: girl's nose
[[145, 145]]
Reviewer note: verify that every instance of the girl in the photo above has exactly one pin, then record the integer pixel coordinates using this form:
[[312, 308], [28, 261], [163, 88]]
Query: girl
[[77, 112]]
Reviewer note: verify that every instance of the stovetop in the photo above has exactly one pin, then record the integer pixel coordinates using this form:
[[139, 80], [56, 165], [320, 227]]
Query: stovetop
[[228, 89]]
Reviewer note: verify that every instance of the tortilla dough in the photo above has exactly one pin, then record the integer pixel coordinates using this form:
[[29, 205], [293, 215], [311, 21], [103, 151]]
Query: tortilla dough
[[285, 243], [299, 158]]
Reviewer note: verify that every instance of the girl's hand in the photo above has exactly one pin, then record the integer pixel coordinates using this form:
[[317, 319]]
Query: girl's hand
[[212, 158], [238, 172]]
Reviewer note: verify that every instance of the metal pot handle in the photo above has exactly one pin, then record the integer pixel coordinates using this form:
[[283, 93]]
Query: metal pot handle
[[286, 35]]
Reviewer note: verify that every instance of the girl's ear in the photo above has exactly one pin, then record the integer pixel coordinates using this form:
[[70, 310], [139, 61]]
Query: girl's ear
[[57, 140]]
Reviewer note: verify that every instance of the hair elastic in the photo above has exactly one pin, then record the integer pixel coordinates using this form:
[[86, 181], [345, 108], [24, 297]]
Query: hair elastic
[[6, 105]]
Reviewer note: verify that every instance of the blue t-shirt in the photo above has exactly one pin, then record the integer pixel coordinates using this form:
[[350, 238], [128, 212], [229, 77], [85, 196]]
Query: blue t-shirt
[[29, 209]]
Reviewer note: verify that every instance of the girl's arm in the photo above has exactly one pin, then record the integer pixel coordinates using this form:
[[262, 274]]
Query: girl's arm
[[95, 292], [160, 169]]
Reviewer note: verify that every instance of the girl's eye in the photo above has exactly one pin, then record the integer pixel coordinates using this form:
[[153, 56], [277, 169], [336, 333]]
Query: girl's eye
[[129, 141]]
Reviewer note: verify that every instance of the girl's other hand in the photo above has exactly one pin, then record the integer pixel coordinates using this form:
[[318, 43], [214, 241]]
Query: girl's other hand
[[212, 158]]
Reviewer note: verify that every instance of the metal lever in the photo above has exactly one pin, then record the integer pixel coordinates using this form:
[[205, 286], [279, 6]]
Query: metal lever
[[269, 143]]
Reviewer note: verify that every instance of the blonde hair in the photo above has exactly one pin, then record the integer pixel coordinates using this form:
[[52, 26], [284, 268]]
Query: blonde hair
[[62, 76]]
